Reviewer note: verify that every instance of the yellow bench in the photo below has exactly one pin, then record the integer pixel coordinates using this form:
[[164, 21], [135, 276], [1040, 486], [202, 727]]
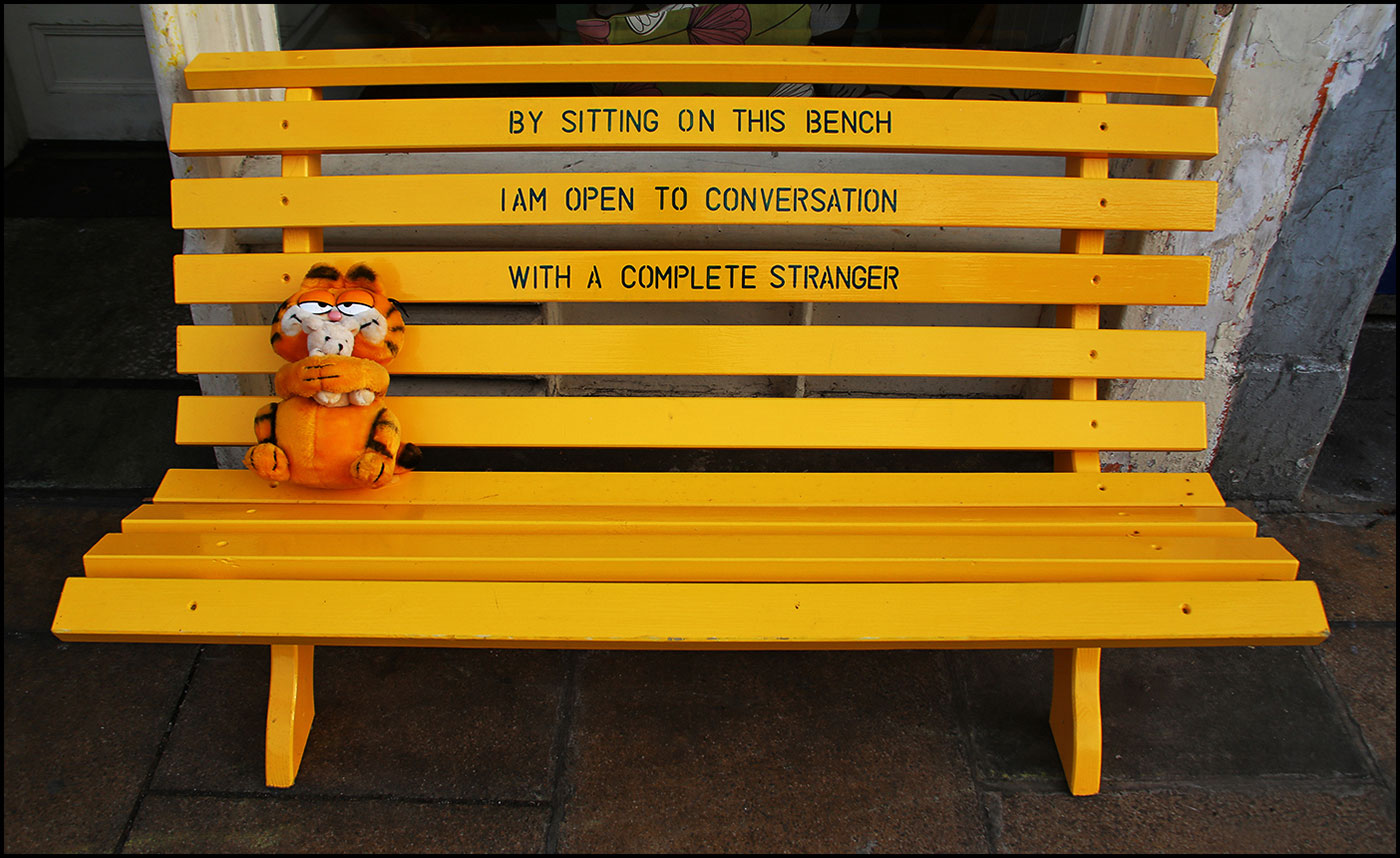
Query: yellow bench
[[1069, 559]]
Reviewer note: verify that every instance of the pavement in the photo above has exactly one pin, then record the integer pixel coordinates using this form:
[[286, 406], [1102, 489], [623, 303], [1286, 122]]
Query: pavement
[[156, 748]]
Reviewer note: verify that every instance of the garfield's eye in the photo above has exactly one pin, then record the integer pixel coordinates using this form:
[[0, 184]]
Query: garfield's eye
[[319, 308], [352, 308]]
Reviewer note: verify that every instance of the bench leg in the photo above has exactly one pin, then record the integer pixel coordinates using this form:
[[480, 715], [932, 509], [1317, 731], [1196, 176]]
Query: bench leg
[[1075, 719], [290, 708]]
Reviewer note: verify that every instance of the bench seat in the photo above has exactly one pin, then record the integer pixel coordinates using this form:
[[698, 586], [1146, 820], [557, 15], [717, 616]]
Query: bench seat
[[674, 615], [517, 540]]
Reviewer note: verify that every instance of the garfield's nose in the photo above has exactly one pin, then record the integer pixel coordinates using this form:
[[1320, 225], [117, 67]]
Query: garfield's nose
[[334, 315]]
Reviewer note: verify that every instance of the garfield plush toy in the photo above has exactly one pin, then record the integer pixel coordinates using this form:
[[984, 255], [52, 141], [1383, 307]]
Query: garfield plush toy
[[332, 429]]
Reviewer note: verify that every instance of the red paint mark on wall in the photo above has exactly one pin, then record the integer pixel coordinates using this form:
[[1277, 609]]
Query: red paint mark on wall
[[1288, 202], [1312, 125]]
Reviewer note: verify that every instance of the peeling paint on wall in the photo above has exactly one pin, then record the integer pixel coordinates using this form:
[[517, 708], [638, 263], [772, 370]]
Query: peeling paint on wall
[[1357, 39]]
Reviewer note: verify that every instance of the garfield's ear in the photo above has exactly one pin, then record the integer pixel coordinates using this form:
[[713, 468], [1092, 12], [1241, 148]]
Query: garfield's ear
[[363, 276], [320, 271]]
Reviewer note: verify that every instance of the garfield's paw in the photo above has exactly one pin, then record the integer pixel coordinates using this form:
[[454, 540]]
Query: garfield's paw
[[362, 397], [373, 469], [268, 461], [330, 400], [330, 374]]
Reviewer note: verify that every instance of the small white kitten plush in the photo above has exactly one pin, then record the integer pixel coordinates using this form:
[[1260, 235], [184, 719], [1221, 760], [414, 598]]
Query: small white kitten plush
[[324, 337]]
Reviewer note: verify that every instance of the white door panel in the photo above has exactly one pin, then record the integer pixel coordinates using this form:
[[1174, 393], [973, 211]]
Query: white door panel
[[82, 71]]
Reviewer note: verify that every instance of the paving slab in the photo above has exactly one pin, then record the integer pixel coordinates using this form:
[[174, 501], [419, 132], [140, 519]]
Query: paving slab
[[83, 726], [1352, 559], [1362, 662], [1198, 821], [1169, 714], [44, 545], [767, 752], [218, 824], [402, 722]]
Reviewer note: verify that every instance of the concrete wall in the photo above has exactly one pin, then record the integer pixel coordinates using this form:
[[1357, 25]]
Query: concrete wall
[[1312, 297], [1305, 110]]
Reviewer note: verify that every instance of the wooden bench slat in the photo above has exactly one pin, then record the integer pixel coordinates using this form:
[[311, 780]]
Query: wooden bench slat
[[335, 555], [764, 490], [729, 423], [869, 199], [691, 616], [905, 277], [824, 124], [848, 350], [612, 518], [699, 63]]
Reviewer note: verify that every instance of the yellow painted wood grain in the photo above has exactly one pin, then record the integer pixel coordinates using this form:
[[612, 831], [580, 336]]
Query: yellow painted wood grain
[[763, 490], [704, 63], [1076, 717], [823, 199], [681, 275], [692, 616], [824, 124], [739, 350], [337, 555], [729, 423], [291, 707], [434, 518]]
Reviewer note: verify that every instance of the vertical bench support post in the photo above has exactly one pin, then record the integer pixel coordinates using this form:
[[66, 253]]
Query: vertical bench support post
[[290, 709], [1075, 718], [290, 702], [302, 239]]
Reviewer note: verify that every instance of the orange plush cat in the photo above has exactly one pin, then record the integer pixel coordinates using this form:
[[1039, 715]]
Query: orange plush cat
[[332, 429]]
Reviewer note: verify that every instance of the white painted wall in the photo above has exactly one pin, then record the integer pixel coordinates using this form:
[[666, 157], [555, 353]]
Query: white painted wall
[[175, 34]]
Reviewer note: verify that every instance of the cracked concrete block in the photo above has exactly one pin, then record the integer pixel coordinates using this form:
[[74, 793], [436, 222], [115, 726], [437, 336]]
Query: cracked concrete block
[[1271, 436]]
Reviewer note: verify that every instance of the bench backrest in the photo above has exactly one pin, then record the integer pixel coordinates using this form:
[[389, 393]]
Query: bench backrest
[[658, 265]]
